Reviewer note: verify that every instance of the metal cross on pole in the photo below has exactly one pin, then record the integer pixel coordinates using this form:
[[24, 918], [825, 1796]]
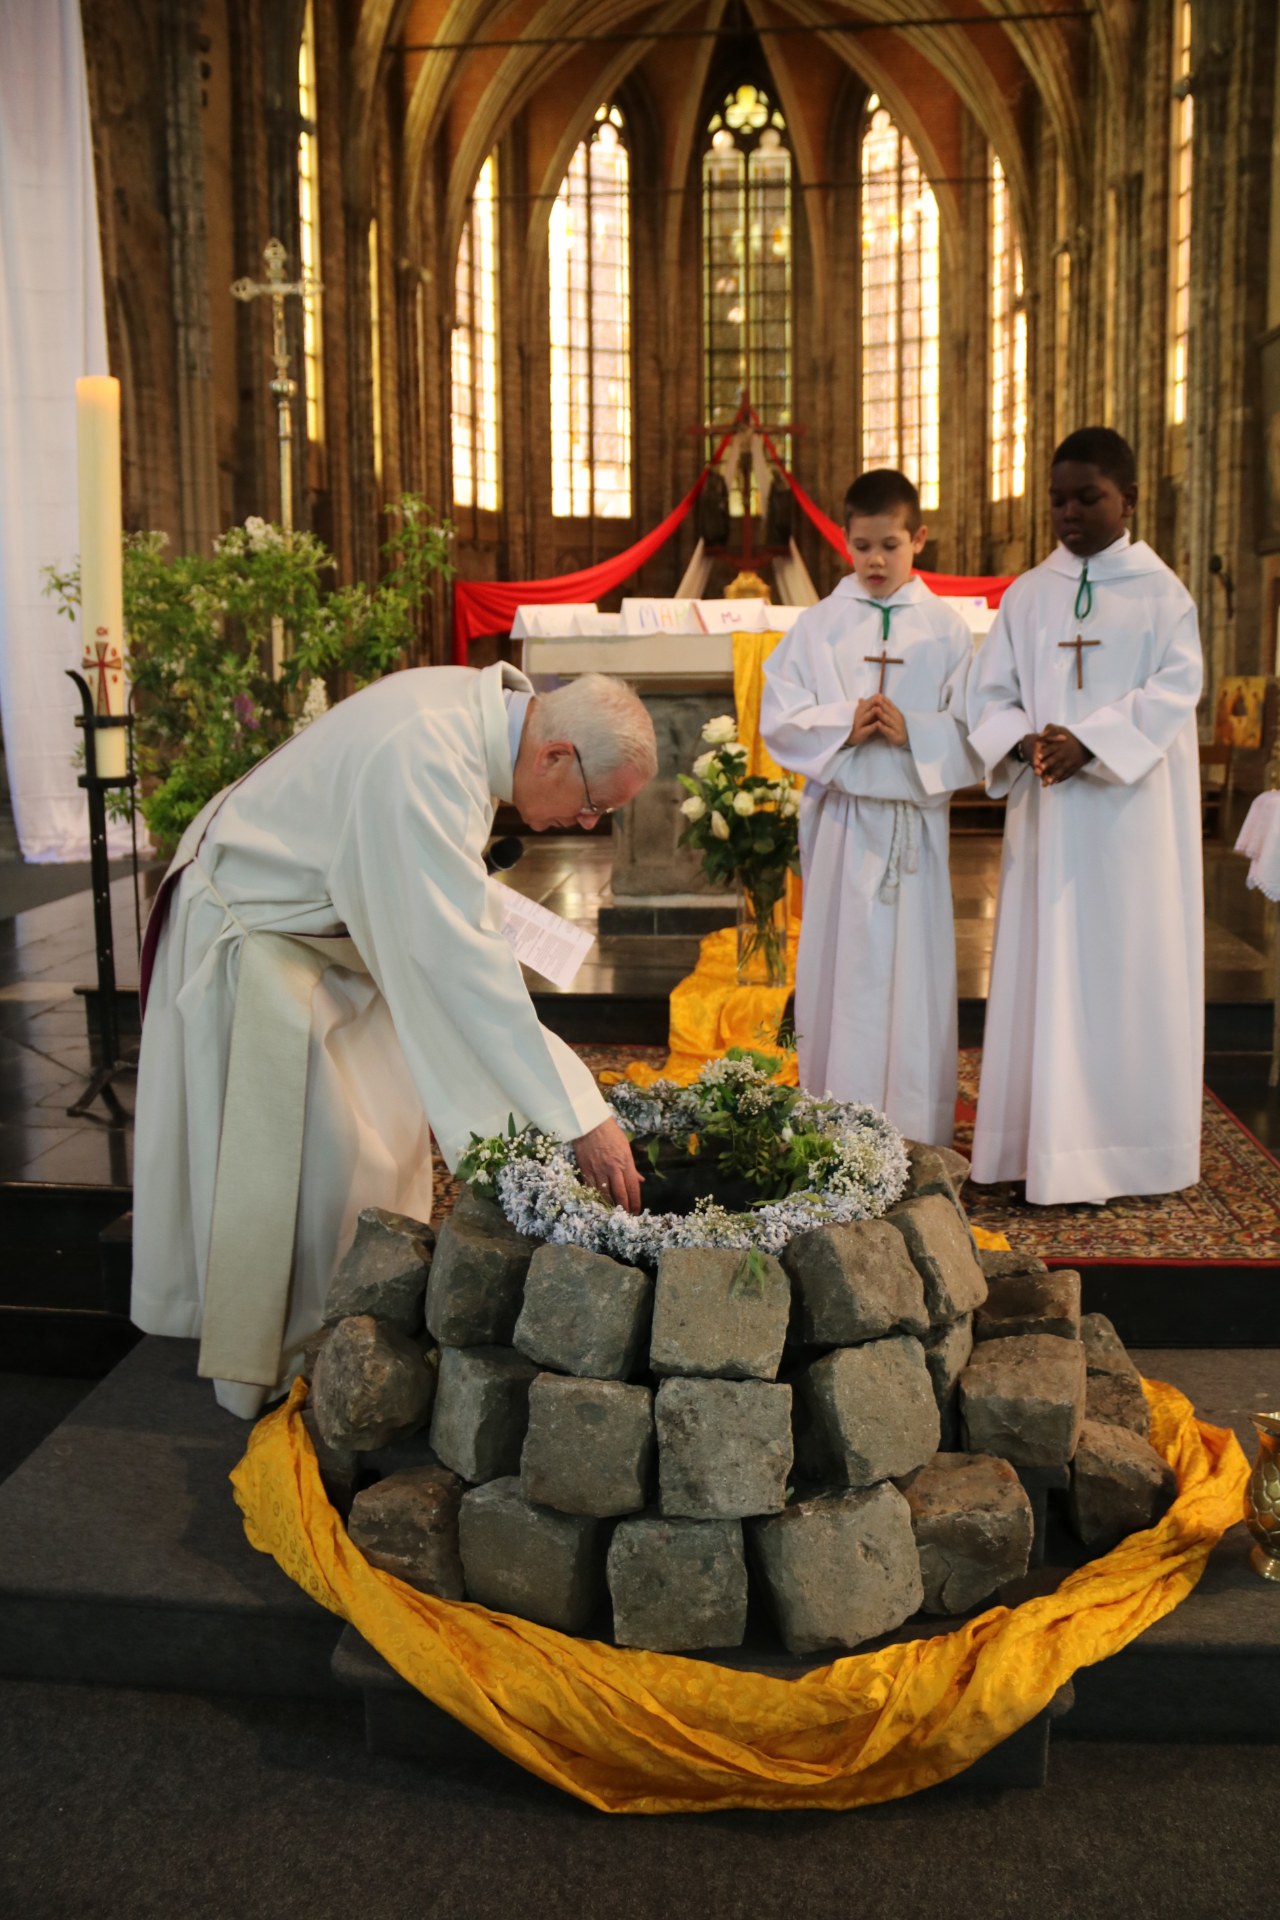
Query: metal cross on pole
[[284, 387], [746, 426]]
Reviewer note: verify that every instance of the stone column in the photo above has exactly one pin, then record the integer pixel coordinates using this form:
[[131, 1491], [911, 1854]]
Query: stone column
[[189, 269], [1213, 148]]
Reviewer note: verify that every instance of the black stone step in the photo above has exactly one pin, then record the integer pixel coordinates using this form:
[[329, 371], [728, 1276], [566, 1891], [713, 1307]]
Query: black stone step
[[65, 1274], [125, 1563], [1210, 1670], [400, 1722], [634, 1010], [78, 1343], [1175, 1305]]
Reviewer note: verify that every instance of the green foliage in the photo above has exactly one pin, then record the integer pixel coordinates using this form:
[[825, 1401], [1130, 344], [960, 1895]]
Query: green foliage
[[199, 644], [749, 1275]]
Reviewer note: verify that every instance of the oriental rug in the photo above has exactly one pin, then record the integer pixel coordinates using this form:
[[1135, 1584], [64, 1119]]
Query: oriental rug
[[1231, 1219]]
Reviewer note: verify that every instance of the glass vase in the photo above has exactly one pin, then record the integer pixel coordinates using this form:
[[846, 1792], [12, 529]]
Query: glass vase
[[762, 939]]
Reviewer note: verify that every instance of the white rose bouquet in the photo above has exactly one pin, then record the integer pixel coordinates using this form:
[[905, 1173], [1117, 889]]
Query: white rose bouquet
[[746, 828]]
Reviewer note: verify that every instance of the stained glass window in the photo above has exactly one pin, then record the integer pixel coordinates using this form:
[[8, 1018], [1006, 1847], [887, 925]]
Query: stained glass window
[[1180, 216], [1008, 348], [746, 259], [475, 350], [590, 292], [309, 227], [375, 346], [899, 221]]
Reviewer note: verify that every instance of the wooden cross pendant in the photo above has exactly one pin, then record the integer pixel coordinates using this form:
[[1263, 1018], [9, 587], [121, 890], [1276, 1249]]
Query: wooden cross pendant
[[1077, 646], [885, 659]]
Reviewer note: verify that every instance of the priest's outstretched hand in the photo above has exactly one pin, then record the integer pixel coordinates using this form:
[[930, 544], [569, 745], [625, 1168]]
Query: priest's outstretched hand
[[605, 1162], [1058, 756]]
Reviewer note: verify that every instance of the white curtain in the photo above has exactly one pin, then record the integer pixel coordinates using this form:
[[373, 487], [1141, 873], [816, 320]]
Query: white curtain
[[52, 328]]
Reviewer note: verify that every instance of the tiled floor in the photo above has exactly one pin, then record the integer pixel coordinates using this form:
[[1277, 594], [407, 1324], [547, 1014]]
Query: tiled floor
[[45, 1057]]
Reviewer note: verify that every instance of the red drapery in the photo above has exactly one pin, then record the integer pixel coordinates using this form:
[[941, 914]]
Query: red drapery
[[489, 606], [990, 586]]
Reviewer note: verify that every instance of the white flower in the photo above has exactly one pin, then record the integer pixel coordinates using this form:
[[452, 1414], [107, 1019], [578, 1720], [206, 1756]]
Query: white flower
[[694, 807], [744, 803], [316, 703], [720, 731], [790, 804], [702, 765], [719, 826], [787, 1134]]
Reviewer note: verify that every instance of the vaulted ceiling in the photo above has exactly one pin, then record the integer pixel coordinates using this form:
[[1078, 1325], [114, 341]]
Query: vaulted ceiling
[[468, 67]]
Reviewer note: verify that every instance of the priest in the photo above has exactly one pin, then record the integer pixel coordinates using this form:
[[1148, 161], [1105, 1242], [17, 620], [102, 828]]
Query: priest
[[1082, 705], [326, 983]]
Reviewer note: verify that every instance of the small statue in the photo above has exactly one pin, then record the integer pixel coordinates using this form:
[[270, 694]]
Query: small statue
[[747, 586]]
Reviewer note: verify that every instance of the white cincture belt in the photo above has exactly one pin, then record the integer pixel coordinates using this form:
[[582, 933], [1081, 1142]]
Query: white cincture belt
[[255, 1199], [904, 851]]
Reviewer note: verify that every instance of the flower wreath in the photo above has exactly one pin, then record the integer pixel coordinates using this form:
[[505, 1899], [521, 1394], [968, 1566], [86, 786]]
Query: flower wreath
[[833, 1163]]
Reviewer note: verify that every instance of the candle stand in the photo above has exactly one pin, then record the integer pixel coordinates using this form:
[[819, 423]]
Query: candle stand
[[114, 1064]]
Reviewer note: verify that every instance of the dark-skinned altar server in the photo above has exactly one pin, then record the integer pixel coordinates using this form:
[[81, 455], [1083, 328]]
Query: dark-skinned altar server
[[1082, 704], [865, 698], [327, 981]]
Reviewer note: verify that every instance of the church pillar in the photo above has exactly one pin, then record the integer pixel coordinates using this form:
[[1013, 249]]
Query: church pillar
[[1143, 377], [970, 359], [189, 280], [1240, 298], [255, 486], [1213, 157]]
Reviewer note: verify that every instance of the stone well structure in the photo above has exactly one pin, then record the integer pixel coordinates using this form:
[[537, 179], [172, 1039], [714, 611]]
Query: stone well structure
[[834, 1440]]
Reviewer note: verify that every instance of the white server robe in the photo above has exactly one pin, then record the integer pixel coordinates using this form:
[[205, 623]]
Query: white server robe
[[876, 969], [370, 824], [1094, 1052]]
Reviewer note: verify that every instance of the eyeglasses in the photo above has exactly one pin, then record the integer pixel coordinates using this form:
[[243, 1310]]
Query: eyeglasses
[[591, 811]]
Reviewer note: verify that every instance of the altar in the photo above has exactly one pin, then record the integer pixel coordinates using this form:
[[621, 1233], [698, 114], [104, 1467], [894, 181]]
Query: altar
[[689, 660], [683, 657]]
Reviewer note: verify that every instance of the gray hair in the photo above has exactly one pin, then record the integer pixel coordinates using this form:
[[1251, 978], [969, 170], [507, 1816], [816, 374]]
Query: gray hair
[[605, 719]]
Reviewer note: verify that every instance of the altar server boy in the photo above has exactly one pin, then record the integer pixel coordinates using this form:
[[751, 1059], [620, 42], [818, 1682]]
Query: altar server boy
[[865, 698], [1082, 704]]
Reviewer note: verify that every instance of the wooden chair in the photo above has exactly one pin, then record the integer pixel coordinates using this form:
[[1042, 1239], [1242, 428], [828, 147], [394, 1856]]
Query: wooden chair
[[1216, 794]]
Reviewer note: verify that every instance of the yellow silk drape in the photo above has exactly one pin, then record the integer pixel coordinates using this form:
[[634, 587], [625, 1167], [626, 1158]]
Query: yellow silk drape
[[634, 1732], [750, 651]]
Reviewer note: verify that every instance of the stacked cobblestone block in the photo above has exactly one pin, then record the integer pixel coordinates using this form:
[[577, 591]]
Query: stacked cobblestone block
[[600, 1448]]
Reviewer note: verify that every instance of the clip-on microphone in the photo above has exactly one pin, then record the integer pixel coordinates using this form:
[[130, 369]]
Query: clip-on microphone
[[503, 854]]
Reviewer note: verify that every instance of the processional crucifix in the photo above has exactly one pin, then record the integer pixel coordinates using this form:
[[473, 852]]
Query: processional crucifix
[[747, 421], [284, 387]]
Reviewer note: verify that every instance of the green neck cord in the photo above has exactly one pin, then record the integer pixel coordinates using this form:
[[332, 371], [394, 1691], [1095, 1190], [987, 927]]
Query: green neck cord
[[1084, 597]]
